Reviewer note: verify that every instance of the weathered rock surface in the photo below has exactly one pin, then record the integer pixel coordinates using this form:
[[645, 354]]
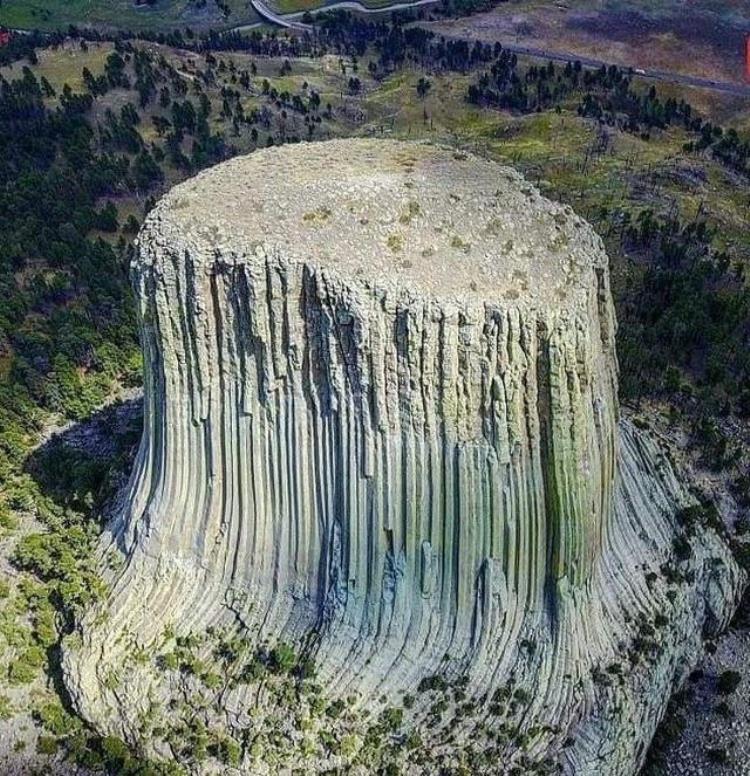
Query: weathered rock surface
[[381, 421]]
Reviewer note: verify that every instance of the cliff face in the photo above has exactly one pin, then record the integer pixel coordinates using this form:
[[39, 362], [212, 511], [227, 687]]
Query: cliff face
[[381, 423]]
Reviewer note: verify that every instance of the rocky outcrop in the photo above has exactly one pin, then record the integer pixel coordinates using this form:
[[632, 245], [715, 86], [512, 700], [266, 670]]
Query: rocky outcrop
[[381, 424]]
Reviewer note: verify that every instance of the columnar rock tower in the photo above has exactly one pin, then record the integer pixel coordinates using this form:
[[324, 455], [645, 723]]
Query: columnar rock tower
[[381, 423]]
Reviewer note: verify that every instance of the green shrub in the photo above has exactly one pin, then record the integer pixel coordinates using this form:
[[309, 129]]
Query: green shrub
[[253, 671], [433, 682], [46, 745], [25, 668], [55, 720], [728, 682], [723, 709], [718, 755], [6, 707], [392, 718], [682, 548], [168, 661], [336, 708], [115, 753], [228, 751], [283, 659]]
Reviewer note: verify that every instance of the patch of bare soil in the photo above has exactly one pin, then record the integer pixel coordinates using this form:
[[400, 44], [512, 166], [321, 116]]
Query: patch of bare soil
[[686, 42], [716, 713], [690, 41], [706, 730]]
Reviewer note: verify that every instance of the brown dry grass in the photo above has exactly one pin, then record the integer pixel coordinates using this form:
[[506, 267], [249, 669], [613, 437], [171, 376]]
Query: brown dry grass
[[691, 41]]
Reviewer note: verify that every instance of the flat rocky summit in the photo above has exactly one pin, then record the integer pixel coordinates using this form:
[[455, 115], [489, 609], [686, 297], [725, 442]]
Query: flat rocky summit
[[393, 214]]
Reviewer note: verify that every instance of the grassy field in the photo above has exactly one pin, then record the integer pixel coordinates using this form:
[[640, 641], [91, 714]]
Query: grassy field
[[163, 15], [701, 38], [294, 6], [291, 6], [123, 14], [64, 65]]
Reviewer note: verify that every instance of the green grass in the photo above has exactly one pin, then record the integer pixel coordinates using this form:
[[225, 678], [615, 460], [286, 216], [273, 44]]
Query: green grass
[[294, 6], [122, 14], [64, 65]]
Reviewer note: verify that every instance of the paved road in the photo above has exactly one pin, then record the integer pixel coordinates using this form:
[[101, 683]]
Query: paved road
[[292, 21], [282, 20], [741, 90]]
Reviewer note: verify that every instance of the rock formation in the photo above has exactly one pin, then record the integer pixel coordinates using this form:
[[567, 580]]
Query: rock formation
[[381, 425]]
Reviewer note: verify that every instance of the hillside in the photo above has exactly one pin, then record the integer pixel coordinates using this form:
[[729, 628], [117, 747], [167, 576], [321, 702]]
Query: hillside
[[155, 15], [664, 186]]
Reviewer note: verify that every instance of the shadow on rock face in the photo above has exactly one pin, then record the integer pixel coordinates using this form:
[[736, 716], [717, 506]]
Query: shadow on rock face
[[83, 465], [79, 470]]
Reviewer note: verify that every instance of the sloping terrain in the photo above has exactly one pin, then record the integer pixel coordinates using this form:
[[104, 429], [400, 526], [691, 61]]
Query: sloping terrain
[[702, 39]]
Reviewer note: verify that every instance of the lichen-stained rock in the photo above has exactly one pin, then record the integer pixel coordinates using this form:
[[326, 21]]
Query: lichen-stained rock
[[381, 422]]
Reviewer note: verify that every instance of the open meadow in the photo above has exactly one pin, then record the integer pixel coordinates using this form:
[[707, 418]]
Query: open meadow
[[163, 15], [701, 39]]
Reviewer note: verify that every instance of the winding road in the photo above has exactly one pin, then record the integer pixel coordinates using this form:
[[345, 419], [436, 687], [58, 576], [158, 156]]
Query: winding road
[[290, 19], [281, 20], [293, 21], [740, 90]]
